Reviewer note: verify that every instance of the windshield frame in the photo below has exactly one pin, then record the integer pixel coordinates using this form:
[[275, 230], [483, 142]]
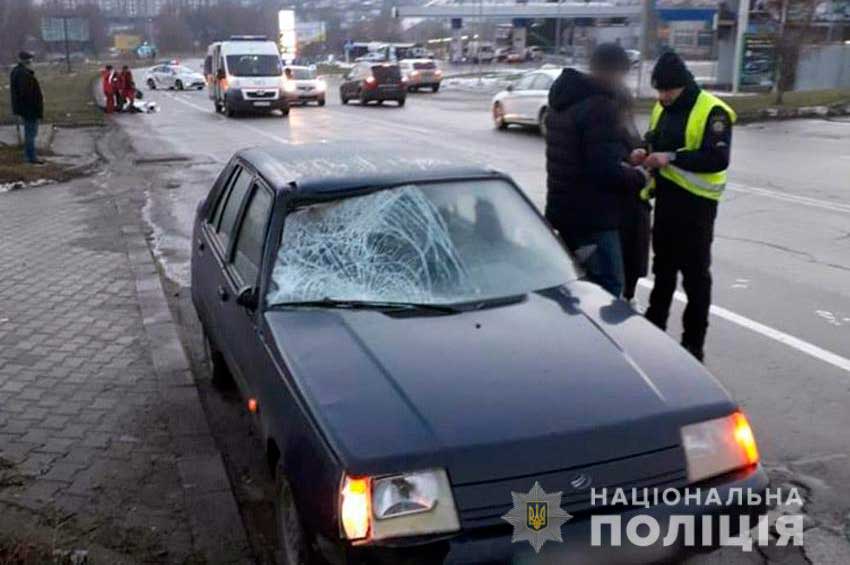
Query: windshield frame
[[291, 201]]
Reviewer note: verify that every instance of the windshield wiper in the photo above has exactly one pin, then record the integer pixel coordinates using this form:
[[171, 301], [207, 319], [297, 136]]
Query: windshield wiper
[[369, 305]]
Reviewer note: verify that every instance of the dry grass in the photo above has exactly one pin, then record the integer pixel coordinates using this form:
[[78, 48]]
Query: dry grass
[[67, 97], [13, 169], [745, 106]]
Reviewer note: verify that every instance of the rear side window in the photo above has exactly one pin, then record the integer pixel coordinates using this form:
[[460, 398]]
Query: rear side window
[[208, 65], [231, 207], [252, 234], [386, 73], [424, 66]]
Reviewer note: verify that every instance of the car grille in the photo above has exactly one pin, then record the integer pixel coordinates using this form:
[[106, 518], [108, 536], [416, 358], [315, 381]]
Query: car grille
[[260, 94], [482, 505], [305, 88]]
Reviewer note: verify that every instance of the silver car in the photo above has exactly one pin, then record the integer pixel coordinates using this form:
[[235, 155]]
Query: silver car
[[526, 101], [421, 73], [172, 77], [303, 86]]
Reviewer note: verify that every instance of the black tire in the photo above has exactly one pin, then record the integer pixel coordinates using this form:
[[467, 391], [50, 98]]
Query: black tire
[[435, 88], [219, 373], [380, 102], [178, 84], [229, 111], [499, 117], [321, 101], [294, 547], [151, 84], [363, 99], [541, 121], [401, 102], [284, 113]]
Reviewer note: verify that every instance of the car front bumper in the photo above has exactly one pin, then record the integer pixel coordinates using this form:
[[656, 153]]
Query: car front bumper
[[495, 546], [238, 102]]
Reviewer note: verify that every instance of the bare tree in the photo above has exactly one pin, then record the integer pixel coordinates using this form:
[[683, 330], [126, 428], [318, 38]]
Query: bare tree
[[796, 19]]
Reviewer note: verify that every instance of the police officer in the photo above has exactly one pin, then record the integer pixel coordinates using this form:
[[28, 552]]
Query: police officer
[[690, 133]]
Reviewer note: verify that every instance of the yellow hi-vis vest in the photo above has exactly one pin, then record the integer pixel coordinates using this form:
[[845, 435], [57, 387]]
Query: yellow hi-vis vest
[[707, 185]]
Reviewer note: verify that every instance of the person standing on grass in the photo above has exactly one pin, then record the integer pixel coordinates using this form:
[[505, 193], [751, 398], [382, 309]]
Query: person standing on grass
[[27, 103]]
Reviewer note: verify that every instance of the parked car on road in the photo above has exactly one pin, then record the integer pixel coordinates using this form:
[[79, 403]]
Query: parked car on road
[[421, 73], [413, 344], [304, 86], [174, 77], [373, 82], [526, 101]]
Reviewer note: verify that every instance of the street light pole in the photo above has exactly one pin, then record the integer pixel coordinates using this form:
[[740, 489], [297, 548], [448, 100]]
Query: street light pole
[[743, 22]]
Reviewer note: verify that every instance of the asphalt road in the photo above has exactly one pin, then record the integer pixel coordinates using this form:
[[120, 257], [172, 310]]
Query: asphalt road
[[780, 334]]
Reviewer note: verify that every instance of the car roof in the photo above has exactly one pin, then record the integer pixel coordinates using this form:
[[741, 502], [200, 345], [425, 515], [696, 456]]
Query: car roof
[[339, 166]]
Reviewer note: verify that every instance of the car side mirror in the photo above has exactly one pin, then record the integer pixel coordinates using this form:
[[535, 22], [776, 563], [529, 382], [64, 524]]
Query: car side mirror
[[509, 88], [248, 298]]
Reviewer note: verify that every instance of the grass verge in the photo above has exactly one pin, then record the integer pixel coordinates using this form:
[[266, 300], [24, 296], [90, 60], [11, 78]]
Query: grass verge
[[750, 105], [13, 169], [67, 96]]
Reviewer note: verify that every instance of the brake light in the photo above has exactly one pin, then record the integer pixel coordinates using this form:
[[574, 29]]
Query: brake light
[[370, 82], [745, 438], [438, 72]]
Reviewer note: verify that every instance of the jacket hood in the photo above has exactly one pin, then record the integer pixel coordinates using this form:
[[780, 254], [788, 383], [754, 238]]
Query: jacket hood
[[573, 87]]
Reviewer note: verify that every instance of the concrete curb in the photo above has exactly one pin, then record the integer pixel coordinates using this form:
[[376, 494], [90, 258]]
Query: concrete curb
[[214, 519]]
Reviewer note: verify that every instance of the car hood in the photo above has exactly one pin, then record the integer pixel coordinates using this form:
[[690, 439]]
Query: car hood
[[566, 377]]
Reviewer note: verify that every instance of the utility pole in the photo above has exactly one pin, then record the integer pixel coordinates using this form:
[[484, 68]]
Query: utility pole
[[743, 23], [67, 47], [480, 37], [558, 30], [646, 35]]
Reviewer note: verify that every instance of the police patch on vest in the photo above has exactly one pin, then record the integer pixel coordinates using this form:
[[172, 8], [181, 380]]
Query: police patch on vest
[[718, 126]]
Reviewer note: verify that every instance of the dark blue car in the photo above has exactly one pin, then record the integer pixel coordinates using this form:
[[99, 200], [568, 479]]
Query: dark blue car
[[416, 345]]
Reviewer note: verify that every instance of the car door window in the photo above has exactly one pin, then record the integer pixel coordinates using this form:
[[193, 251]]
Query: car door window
[[542, 82], [526, 81], [214, 218], [251, 236], [232, 206]]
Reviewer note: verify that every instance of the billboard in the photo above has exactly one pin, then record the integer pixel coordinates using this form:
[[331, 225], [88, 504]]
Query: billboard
[[53, 28], [310, 32], [758, 64]]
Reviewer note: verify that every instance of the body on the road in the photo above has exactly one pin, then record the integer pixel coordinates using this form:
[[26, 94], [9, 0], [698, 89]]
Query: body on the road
[[690, 136], [589, 179]]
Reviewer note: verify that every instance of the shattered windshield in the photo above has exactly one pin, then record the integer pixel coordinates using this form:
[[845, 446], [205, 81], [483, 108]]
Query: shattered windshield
[[439, 243]]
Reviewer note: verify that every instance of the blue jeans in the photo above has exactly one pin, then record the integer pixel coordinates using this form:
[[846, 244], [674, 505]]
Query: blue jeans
[[30, 133], [604, 266]]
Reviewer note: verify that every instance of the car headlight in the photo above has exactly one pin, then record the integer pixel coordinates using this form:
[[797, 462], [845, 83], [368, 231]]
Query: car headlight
[[411, 504], [321, 85], [289, 86], [719, 446]]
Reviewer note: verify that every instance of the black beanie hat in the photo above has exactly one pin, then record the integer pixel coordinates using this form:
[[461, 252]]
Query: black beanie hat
[[670, 72], [25, 56], [609, 57]]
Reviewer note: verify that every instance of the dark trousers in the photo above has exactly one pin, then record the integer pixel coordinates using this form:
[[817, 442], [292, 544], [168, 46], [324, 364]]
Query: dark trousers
[[30, 133], [682, 247], [604, 265], [635, 231]]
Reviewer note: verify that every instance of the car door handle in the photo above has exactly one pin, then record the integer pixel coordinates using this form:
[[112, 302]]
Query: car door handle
[[222, 293]]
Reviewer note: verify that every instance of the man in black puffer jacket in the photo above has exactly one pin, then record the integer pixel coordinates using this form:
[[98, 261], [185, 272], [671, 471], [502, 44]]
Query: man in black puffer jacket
[[589, 179]]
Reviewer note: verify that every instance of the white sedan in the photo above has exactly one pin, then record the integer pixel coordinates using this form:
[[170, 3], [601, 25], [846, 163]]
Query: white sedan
[[526, 101], [177, 77]]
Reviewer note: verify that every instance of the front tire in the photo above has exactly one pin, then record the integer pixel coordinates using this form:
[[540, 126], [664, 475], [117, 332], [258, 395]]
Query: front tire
[[401, 102], [151, 84], [321, 101], [178, 85], [284, 113], [229, 111], [435, 88], [293, 543]]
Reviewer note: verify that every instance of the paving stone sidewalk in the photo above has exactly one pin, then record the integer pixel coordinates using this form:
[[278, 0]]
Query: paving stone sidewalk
[[104, 445]]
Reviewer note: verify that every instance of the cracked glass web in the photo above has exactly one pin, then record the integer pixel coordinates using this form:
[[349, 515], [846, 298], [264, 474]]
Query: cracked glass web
[[392, 245]]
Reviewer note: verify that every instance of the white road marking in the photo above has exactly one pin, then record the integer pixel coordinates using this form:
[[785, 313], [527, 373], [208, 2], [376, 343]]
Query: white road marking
[[800, 345], [788, 197], [256, 130]]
